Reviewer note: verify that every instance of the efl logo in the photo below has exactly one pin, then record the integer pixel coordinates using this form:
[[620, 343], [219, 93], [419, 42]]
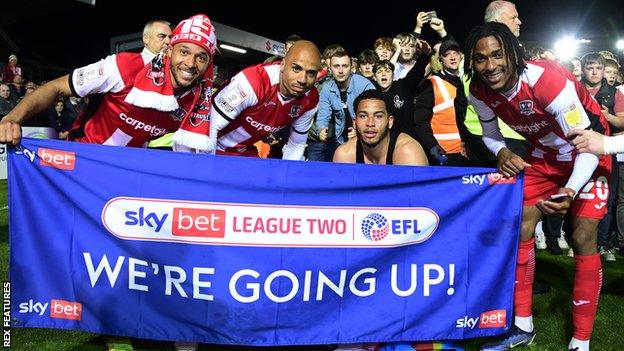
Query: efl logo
[[497, 178], [57, 158], [375, 227], [398, 227], [493, 319], [66, 310], [198, 222]]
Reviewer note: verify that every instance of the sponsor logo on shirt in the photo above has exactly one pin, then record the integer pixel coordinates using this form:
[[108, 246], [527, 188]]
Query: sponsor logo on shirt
[[139, 125], [526, 107], [572, 115], [235, 96], [529, 128], [294, 111], [94, 72], [495, 104], [224, 105], [261, 126], [80, 77], [178, 114]]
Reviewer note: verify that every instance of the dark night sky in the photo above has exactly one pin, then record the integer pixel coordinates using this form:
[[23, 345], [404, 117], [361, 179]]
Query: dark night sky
[[69, 33]]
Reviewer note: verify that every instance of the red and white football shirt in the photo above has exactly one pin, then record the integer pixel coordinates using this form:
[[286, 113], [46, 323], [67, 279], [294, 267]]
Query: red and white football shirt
[[115, 121], [546, 104], [255, 107]]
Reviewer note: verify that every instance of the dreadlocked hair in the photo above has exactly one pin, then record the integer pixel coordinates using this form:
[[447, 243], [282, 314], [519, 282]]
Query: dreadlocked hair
[[513, 50]]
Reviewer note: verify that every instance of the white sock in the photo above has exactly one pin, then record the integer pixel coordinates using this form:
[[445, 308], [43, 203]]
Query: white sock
[[524, 323], [583, 345]]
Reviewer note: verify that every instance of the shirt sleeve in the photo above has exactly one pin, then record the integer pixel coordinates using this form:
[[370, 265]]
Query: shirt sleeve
[[492, 136], [302, 124], [568, 109], [235, 97], [100, 77]]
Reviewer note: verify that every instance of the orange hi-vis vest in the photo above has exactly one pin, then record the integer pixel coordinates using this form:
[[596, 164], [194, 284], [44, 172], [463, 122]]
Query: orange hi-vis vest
[[443, 121]]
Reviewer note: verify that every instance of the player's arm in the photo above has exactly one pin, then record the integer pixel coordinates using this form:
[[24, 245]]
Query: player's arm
[[31, 104], [593, 142], [100, 77], [569, 113], [509, 164], [294, 148]]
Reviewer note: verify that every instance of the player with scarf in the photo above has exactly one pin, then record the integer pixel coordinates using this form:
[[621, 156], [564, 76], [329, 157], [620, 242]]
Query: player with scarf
[[138, 101]]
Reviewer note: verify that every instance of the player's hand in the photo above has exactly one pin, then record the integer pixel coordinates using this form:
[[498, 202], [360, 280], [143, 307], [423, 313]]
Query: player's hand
[[557, 204], [63, 135], [510, 164], [463, 151], [587, 141], [10, 132], [323, 134], [351, 134]]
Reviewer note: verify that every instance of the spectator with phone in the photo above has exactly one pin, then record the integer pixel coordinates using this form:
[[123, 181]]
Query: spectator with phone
[[404, 58]]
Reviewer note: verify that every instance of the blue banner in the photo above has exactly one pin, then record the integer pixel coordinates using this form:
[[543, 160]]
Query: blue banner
[[233, 250]]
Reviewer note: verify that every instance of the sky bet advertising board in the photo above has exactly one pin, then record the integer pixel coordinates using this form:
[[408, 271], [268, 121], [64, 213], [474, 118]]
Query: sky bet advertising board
[[234, 250]]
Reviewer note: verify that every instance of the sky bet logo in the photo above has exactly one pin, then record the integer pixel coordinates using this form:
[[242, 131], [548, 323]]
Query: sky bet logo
[[57, 158], [195, 222], [492, 178], [488, 319], [58, 309], [132, 218]]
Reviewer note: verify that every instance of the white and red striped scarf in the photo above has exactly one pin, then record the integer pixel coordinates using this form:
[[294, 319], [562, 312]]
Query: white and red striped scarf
[[153, 89]]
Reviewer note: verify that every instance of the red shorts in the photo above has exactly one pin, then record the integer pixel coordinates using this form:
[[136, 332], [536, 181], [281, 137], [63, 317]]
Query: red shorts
[[545, 178]]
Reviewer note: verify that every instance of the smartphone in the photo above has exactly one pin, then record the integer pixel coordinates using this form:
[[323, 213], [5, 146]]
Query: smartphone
[[558, 197], [431, 14]]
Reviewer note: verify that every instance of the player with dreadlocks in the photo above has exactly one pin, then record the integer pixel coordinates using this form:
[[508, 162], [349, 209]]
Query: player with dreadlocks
[[542, 101]]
